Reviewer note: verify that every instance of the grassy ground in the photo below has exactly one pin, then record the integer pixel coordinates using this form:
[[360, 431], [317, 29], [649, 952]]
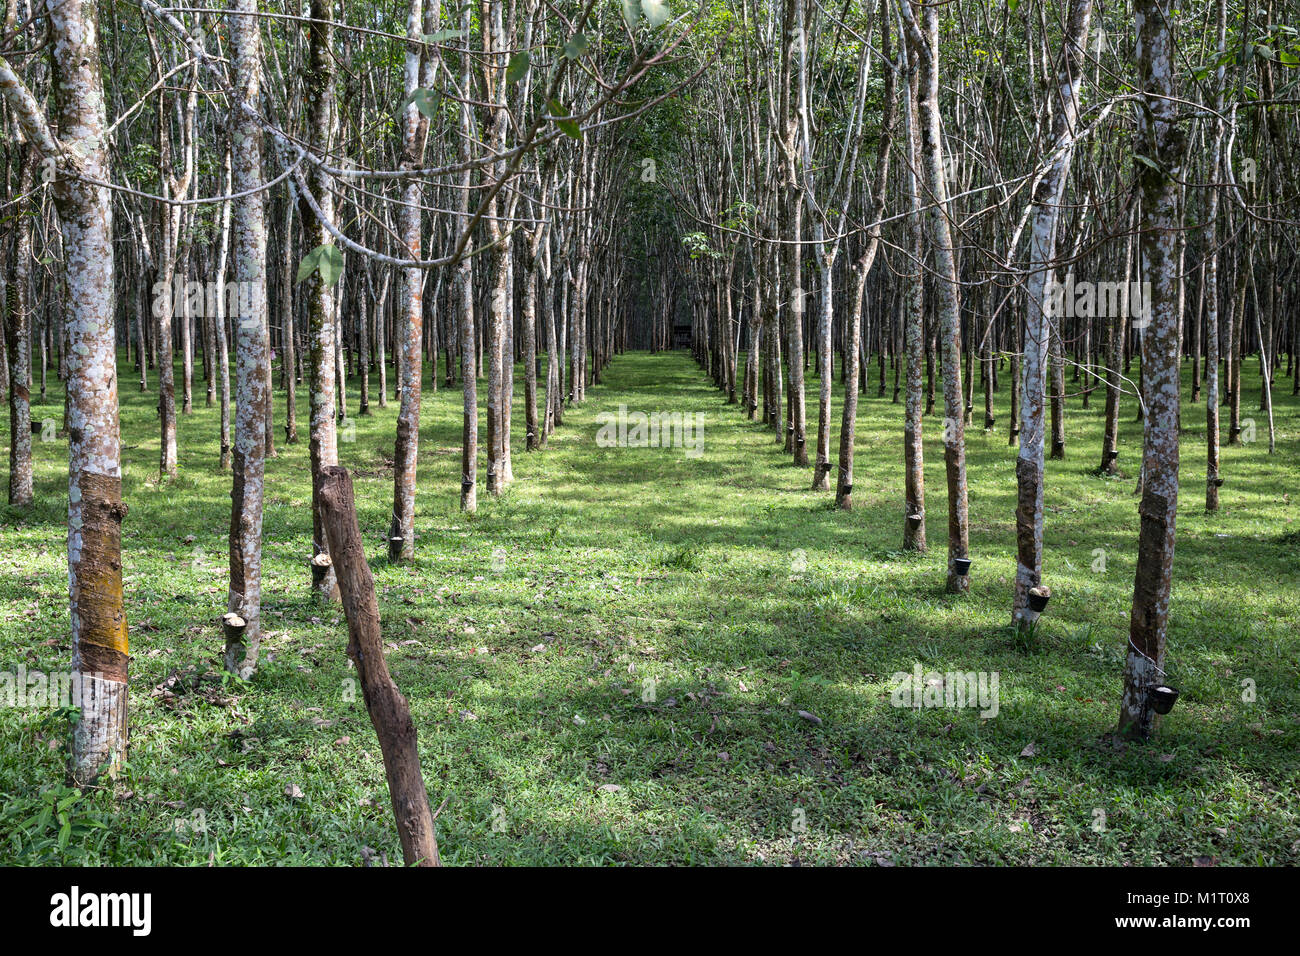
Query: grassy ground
[[741, 593]]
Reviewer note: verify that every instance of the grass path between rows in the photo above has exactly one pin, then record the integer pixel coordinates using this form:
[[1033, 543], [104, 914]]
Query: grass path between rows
[[608, 664]]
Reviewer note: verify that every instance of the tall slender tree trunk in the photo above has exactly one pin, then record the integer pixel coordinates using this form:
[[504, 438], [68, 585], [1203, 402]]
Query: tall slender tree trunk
[[861, 271], [1210, 282], [401, 533], [95, 508], [318, 294], [219, 321], [379, 303], [463, 291], [1160, 139], [1116, 335], [529, 319], [288, 350], [914, 332], [363, 316], [826, 361], [1043, 316], [1056, 353], [243, 625], [926, 49], [792, 196], [164, 301], [18, 343]]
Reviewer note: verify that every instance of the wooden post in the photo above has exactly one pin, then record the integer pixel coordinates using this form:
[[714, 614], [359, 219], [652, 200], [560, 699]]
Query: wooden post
[[388, 709]]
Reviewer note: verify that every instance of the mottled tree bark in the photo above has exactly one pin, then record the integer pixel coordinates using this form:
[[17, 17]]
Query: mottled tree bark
[[500, 296], [914, 332], [18, 342], [532, 436], [791, 251], [464, 290], [319, 295], [861, 271], [826, 358], [415, 126], [95, 508], [219, 322], [252, 353], [288, 345], [925, 47], [463, 293], [362, 307], [163, 305], [1210, 282], [1160, 139], [496, 335]]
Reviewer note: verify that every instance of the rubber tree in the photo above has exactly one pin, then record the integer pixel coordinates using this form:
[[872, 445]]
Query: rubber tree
[[793, 90], [415, 128], [1211, 277], [914, 344], [925, 52], [1039, 329], [463, 293], [1162, 143], [242, 621], [862, 268], [319, 289], [95, 508], [18, 340]]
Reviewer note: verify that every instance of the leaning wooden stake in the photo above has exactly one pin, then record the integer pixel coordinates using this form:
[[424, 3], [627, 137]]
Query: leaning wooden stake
[[388, 709]]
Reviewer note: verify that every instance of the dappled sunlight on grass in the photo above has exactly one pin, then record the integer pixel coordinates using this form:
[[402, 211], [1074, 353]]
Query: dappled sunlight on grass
[[627, 685]]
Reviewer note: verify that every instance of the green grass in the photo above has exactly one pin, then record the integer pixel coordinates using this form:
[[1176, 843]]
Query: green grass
[[628, 564]]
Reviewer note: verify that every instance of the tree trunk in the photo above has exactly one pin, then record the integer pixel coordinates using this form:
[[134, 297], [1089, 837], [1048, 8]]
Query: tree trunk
[[18, 343], [319, 295], [1210, 282], [1043, 320], [401, 532], [914, 331], [389, 712], [95, 508], [1159, 139], [252, 352], [926, 49]]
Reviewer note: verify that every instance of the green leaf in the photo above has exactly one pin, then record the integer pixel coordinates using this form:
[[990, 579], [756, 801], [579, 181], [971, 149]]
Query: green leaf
[[327, 259], [576, 46], [1147, 161], [1013, 5], [426, 101], [308, 264], [442, 35], [68, 801], [656, 12], [331, 264], [517, 67], [567, 126], [1288, 58], [631, 12]]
